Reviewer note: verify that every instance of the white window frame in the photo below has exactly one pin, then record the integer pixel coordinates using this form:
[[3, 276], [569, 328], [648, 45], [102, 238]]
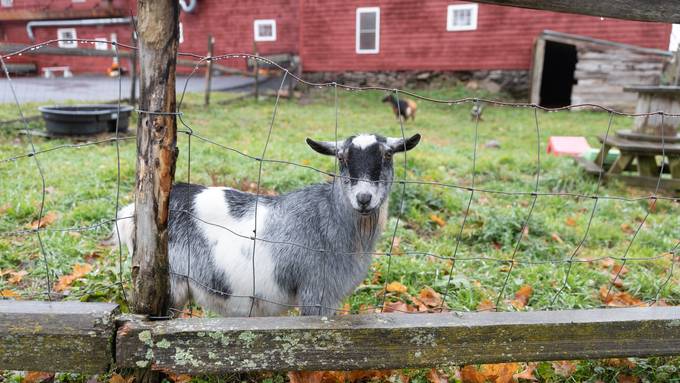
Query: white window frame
[[474, 10], [6, 3], [101, 44], [361, 10], [256, 29], [67, 44], [181, 33]]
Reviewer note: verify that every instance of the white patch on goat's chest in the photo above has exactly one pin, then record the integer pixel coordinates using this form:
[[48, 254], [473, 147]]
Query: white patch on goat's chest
[[364, 140], [232, 252]]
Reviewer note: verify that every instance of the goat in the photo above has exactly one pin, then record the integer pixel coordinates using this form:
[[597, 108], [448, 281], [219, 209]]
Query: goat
[[402, 108], [313, 246]]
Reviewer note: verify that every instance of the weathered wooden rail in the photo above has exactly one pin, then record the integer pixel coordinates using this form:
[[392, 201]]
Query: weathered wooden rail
[[90, 337]]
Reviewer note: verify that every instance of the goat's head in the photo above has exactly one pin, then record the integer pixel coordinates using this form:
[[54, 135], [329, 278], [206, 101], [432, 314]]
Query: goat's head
[[390, 98], [365, 166]]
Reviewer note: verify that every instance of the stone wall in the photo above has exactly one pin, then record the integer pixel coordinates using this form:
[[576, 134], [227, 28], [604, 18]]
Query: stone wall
[[514, 83]]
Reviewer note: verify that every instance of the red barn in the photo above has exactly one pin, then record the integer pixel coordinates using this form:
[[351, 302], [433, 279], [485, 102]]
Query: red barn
[[330, 36]]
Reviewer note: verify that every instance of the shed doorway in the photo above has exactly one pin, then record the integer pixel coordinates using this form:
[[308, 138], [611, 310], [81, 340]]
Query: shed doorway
[[557, 79]]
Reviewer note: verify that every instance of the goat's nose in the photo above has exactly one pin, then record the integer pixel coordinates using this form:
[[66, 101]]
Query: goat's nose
[[364, 199]]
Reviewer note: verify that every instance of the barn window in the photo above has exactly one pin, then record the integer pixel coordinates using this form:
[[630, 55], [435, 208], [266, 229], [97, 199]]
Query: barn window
[[265, 30], [368, 30], [6, 3], [461, 17], [101, 44], [181, 33], [67, 34]]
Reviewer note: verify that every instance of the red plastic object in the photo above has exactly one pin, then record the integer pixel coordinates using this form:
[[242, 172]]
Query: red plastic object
[[567, 146]]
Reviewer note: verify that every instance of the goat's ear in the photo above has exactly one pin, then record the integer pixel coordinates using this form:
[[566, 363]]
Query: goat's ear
[[400, 145], [328, 148]]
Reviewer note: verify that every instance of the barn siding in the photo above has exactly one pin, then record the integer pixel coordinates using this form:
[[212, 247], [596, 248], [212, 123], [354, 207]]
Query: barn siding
[[413, 34], [603, 72]]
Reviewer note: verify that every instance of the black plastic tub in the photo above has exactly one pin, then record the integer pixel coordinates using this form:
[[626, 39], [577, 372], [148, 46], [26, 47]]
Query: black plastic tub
[[78, 120]]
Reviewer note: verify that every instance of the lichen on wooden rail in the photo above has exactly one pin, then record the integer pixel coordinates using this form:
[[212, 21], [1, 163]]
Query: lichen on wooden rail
[[208, 346], [57, 336]]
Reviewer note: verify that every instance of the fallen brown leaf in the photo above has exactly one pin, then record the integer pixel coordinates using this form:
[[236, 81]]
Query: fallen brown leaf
[[9, 294], [486, 305], [499, 372], [438, 220], [618, 283], [38, 377], [522, 296], [430, 297], [627, 379], [390, 307], [15, 277], [527, 373], [344, 376], [191, 313], [470, 374], [619, 269], [564, 368], [620, 362], [92, 256], [396, 287], [116, 378], [555, 237], [606, 263], [79, 271], [626, 228], [367, 375], [617, 298], [46, 219], [435, 376], [305, 376], [570, 221], [178, 378], [4, 208], [375, 279]]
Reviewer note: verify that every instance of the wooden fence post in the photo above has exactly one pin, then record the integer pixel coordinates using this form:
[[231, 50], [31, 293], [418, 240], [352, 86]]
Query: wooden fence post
[[157, 22], [158, 31], [209, 69]]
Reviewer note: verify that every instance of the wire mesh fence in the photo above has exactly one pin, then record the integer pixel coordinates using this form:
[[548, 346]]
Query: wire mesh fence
[[505, 233]]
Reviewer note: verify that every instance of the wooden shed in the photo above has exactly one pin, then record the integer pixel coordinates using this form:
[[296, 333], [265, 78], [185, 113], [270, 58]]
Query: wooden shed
[[572, 69]]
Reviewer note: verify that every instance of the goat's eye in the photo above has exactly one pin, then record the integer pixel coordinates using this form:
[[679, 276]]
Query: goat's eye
[[387, 156]]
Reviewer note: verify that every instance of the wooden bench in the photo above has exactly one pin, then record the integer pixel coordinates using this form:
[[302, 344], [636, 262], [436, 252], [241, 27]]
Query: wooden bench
[[48, 72], [641, 156]]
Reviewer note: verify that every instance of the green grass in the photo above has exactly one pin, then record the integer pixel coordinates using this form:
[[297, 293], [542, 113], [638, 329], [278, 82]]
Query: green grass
[[82, 189]]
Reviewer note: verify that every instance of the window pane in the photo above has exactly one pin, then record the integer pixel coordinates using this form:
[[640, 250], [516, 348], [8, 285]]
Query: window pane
[[265, 30], [462, 17], [367, 40], [367, 21]]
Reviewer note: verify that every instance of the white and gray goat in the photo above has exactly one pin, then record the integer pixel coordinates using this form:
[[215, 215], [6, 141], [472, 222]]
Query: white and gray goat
[[210, 230]]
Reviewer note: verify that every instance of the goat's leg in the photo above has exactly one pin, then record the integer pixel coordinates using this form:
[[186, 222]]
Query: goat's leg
[[315, 300]]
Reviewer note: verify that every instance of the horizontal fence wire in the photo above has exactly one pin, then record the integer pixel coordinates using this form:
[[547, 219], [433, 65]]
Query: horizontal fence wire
[[403, 183]]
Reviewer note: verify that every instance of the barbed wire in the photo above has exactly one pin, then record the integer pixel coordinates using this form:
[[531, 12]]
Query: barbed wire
[[403, 182]]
